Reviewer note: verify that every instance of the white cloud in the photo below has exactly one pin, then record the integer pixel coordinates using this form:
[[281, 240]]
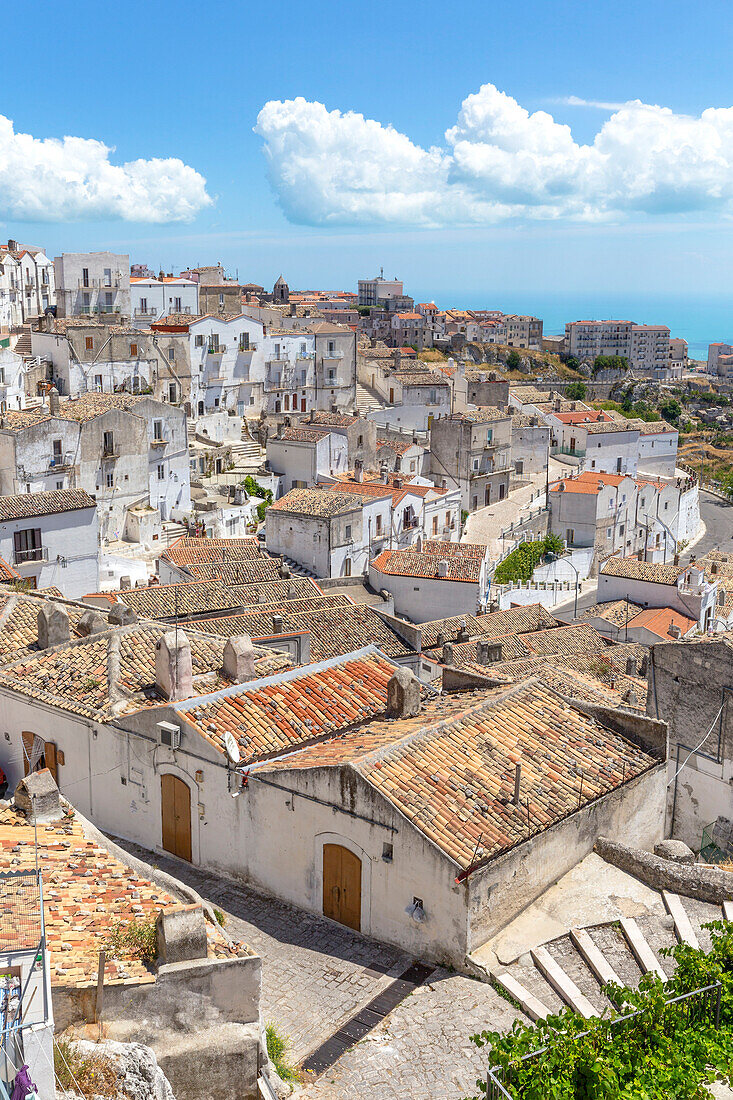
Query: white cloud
[[498, 162], [598, 104], [73, 179]]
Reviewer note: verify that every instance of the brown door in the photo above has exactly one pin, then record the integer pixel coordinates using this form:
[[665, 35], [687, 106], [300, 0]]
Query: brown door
[[176, 811], [342, 885]]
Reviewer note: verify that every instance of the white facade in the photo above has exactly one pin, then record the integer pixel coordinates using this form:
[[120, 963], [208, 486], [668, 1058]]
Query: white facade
[[692, 595], [11, 305], [89, 283], [60, 549], [151, 299], [422, 599], [658, 450], [12, 379], [302, 462]]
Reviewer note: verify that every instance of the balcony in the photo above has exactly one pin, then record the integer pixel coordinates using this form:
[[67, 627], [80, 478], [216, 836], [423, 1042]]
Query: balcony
[[160, 441], [152, 312], [36, 553], [577, 452], [60, 461], [98, 284]]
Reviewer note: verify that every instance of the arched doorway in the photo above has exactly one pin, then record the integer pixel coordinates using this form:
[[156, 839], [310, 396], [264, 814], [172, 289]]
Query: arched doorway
[[175, 804], [342, 886]]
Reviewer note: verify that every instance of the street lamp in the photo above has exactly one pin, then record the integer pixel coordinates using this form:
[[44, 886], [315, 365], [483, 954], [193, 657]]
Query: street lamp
[[550, 557]]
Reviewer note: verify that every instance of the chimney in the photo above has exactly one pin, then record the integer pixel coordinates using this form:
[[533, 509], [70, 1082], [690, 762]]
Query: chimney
[[630, 697], [442, 568], [558, 405], [173, 668], [462, 635], [292, 592], [674, 631], [91, 622], [644, 665], [398, 483], [714, 567], [384, 472], [125, 582], [447, 653], [239, 659], [53, 399], [440, 639], [53, 626], [403, 694], [676, 559], [121, 615], [397, 463], [358, 471], [482, 651], [284, 571], [277, 624], [37, 796], [631, 668]]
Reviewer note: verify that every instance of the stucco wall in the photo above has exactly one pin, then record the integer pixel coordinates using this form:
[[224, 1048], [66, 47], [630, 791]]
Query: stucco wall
[[422, 599]]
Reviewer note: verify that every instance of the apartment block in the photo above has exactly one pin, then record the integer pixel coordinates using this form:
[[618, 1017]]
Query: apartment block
[[89, 283], [647, 347]]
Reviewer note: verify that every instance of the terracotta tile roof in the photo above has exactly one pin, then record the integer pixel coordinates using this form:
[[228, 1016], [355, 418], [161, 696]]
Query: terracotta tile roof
[[336, 626], [81, 678], [335, 420], [28, 505], [578, 638], [315, 502], [164, 601], [398, 446], [618, 612], [484, 415], [450, 628], [654, 427], [611, 427], [422, 378], [302, 435], [476, 550], [633, 569], [86, 892], [7, 573], [84, 407], [290, 709], [410, 563], [659, 619], [298, 588], [516, 620], [19, 624], [453, 776], [186, 550], [247, 571], [464, 653]]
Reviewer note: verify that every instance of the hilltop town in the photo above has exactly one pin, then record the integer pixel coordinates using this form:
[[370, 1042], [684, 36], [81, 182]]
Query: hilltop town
[[365, 671]]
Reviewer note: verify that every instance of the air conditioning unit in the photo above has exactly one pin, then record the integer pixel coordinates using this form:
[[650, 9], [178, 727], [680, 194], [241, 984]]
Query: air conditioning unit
[[169, 735]]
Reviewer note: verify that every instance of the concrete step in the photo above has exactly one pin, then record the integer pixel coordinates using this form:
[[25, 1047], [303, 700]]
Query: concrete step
[[562, 983], [594, 958], [529, 1004], [728, 910], [641, 950], [682, 925]]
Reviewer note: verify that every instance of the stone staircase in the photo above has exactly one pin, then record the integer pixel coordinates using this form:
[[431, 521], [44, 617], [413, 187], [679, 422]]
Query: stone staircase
[[366, 400], [297, 569], [247, 455], [571, 969], [171, 533]]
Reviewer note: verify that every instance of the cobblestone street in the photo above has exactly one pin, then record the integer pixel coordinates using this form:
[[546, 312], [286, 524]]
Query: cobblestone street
[[315, 974]]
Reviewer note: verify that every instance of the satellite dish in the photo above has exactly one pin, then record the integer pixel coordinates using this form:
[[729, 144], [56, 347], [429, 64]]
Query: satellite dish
[[232, 748]]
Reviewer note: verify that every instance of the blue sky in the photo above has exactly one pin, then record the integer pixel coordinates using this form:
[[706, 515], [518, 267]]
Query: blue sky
[[503, 214]]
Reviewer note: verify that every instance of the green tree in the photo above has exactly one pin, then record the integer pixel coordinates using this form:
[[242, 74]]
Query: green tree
[[610, 362], [572, 362], [671, 410], [576, 391], [513, 360]]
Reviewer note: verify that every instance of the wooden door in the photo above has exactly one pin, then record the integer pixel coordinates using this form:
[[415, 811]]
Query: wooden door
[[175, 798], [342, 885]]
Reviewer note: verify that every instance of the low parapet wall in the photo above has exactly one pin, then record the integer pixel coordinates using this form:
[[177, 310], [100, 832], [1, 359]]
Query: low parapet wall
[[697, 880]]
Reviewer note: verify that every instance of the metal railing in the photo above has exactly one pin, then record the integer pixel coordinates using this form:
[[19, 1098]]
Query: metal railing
[[699, 1006], [35, 553], [576, 452]]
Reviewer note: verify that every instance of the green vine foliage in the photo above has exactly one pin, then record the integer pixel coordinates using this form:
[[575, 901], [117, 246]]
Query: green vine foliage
[[667, 1051], [521, 563]]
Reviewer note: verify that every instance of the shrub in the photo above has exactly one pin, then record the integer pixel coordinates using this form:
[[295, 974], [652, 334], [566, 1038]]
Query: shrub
[[513, 360], [86, 1075], [521, 563], [135, 940], [666, 1051], [576, 391], [277, 1049], [610, 362]]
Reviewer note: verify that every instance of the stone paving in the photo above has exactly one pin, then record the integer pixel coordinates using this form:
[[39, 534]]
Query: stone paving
[[315, 974], [422, 1050], [486, 524]]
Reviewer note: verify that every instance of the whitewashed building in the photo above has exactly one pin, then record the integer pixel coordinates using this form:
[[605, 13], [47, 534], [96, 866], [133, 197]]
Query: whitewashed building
[[52, 539], [89, 283], [153, 298], [438, 580]]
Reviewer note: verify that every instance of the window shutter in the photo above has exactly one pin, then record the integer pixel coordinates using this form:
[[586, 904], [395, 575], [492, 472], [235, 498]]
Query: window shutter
[[52, 760]]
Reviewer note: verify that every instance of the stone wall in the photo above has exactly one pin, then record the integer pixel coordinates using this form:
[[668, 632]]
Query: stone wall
[[698, 880]]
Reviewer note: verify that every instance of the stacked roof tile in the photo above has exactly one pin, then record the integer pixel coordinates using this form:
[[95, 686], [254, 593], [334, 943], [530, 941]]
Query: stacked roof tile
[[414, 563], [48, 503]]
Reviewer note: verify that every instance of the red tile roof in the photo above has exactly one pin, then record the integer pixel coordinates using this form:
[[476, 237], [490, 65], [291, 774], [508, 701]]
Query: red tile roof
[[411, 563]]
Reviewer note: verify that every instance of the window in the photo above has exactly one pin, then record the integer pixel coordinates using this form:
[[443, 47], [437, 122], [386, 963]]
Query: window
[[85, 300], [244, 341], [302, 350], [157, 429], [570, 535], [489, 435], [642, 501], [27, 545], [108, 298], [347, 567], [379, 525], [143, 305], [108, 443], [435, 525], [171, 354], [108, 277], [609, 531], [214, 341], [198, 340], [56, 451], [161, 472], [176, 305], [331, 347], [173, 392], [277, 351], [133, 350], [89, 343], [221, 300], [98, 381], [85, 276], [348, 531], [59, 484], [331, 376], [621, 529]]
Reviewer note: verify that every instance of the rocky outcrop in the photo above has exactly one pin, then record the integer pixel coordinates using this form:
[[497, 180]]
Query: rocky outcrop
[[139, 1077]]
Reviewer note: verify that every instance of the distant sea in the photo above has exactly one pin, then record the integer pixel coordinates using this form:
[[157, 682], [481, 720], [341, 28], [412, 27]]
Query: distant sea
[[701, 320]]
